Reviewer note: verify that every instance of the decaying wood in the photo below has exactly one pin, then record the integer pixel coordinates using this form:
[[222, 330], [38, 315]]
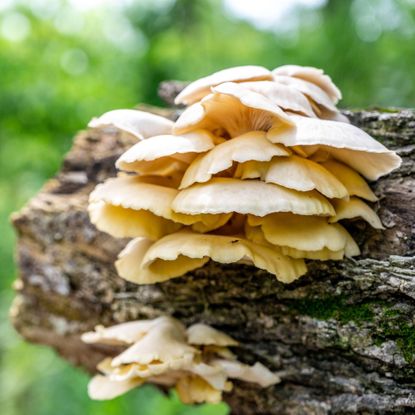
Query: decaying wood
[[342, 338]]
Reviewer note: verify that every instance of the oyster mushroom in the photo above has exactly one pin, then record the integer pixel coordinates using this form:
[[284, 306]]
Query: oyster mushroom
[[231, 110], [342, 141], [248, 146], [165, 154], [162, 352], [296, 173], [176, 254], [140, 124], [197, 90]]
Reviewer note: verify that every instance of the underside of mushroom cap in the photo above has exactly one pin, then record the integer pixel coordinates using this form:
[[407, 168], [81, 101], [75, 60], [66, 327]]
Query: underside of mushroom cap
[[229, 111], [356, 208], [178, 253]]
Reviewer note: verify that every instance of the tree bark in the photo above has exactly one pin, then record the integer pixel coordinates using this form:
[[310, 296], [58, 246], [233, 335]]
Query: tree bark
[[342, 337]]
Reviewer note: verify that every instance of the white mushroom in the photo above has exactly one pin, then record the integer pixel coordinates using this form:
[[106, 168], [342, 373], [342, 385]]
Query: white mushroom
[[225, 195], [231, 110], [295, 173], [257, 373], [147, 155], [352, 181], [202, 334], [355, 208], [140, 124], [248, 146], [344, 142], [181, 252], [200, 88], [125, 333], [313, 75], [304, 236]]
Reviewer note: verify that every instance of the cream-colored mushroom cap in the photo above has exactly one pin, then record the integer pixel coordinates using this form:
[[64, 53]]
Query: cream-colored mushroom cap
[[307, 233], [231, 110], [285, 96], [294, 173], [164, 343], [125, 333], [345, 142], [140, 124], [257, 373], [356, 208], [102, 388], [173, 147], [313, 75], [249, 146], [256, 235], [123, 222], [224, 195], [200, 88], [178, 253], [353, 182], [309, 89], [202, 334], [193, 389]]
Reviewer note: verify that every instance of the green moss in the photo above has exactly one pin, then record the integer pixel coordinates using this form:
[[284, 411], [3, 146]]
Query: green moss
[[334, 307]]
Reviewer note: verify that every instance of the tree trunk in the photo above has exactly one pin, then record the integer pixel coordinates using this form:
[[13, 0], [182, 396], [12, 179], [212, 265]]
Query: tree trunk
[[342, 337]]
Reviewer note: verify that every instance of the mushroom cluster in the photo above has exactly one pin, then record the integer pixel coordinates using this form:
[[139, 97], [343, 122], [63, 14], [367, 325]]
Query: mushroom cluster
[[197, 361], [260, 168]]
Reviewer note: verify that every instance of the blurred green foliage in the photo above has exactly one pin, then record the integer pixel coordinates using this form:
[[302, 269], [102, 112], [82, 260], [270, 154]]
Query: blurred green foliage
[[61, 65]]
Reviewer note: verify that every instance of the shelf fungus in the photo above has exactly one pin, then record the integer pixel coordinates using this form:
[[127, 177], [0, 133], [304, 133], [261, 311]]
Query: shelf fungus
[[196, 361], [261, 168]]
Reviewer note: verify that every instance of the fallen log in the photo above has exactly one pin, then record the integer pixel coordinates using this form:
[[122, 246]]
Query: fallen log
[[342, 338]]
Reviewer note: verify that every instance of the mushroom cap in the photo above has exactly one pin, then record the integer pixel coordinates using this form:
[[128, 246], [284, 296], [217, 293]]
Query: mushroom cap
[[285, 96], [225, 195], [313, 75], [140, 124], [193, 389], [175, 254], [164, 343], [352, 181], [256, 235], [202, 334], [123, 222], [174, 147], [131, 192], [232, 110], [196, 90], [307, 233], [125, 333], [355, 208], [314, 92], [296, 173], [214, 375], [344, 142], [249, 146], [102, 388], [257, 373]]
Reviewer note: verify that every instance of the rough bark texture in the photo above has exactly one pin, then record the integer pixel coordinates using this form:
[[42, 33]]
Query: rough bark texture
[[342, 337]]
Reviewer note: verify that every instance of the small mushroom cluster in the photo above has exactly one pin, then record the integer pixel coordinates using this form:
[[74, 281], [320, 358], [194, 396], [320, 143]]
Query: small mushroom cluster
[[260, 168], [197, 361]]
